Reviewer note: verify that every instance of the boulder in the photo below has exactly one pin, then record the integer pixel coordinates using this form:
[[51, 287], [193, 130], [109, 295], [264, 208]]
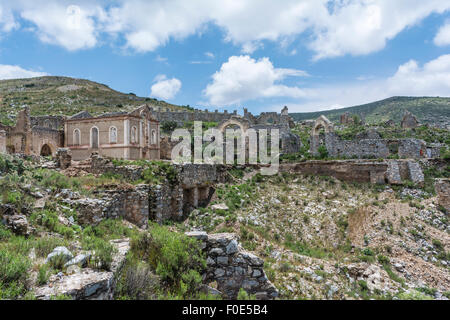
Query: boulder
[[61, 252], [87, 284], [18, 224]]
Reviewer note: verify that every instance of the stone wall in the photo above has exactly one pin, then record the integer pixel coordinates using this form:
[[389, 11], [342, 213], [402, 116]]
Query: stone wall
[[165, 203], [51, 122], [345, 170], [392, 171], [128, 202], [443, 191], [180, 117], [63, 158], [374, 148], [168, 201], [233, 268]]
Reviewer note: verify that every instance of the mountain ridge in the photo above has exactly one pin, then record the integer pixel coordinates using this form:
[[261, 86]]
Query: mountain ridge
[[426, 109]]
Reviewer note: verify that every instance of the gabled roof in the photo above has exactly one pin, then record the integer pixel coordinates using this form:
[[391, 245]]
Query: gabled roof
[[81, 115]]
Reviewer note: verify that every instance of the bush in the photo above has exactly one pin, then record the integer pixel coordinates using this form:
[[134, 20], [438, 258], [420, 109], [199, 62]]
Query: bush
[[43, 274], [13, 273], [243, 295], [323, 152], [137, 282], [168, 126], [176, 258], [103, 252]]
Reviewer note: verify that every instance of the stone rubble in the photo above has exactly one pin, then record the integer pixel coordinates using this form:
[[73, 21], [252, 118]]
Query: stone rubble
[[234, 268]]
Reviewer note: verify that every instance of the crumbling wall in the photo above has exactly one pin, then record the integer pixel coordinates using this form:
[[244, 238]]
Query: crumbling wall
[[165, 203], [443, 191], [130, 203], [180, 117], [232, 267], [392, 171], [63, 158], [51, 122], [41, 136]]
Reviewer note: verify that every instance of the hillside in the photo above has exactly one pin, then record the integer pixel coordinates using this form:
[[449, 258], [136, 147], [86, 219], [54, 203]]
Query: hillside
[[65, 96], [427, 109]]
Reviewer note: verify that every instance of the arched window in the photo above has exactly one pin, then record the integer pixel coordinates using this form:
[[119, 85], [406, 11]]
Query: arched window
[[133, 135], [113, 135], [76, 137], [153, 137], [94, 138]]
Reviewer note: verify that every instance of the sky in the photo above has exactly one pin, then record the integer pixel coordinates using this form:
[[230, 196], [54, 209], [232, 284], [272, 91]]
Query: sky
[[309, 55]]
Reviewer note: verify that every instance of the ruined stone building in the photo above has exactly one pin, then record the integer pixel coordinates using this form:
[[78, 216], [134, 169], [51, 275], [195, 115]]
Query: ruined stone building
[[366, 145], [409, 121], [133, 135], [41, 138]]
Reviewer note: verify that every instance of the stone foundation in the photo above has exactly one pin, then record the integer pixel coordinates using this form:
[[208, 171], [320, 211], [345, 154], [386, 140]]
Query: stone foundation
[[391, 171], [234, 268]]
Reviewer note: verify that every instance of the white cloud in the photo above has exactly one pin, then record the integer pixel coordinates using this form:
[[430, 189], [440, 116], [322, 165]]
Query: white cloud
[[362, 27], [209, 55], [7, 21], [338, 28], [333, 28], [410, 79], [242, 78], [432, 79], [443, 36], [16, 72], [70, 26], [164, 88]]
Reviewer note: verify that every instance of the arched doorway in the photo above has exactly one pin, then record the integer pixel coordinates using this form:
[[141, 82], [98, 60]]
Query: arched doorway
[[94, 138], [46, 150]]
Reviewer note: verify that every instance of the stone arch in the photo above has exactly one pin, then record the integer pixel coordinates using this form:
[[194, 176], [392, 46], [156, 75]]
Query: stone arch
[[242, 123], [316, 141], [322, 122], [46, 150]]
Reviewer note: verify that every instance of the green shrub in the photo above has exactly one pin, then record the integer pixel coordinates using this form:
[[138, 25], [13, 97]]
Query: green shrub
[[413, 295], [5, 233], [176, 258], [103, 252], [13, 273], [43, 274], [323, 152], [243, 295], [137, 281]]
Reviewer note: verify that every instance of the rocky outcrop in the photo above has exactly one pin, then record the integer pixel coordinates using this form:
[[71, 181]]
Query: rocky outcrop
[[233, 268], [87, 284], [375, 277], [442, 187], [14, 221]]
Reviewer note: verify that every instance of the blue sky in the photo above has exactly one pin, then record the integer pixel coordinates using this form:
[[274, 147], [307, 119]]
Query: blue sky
[[259, 54]]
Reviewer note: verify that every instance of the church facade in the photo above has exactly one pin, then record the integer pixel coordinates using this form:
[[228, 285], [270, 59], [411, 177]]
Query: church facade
[[123, 135]]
